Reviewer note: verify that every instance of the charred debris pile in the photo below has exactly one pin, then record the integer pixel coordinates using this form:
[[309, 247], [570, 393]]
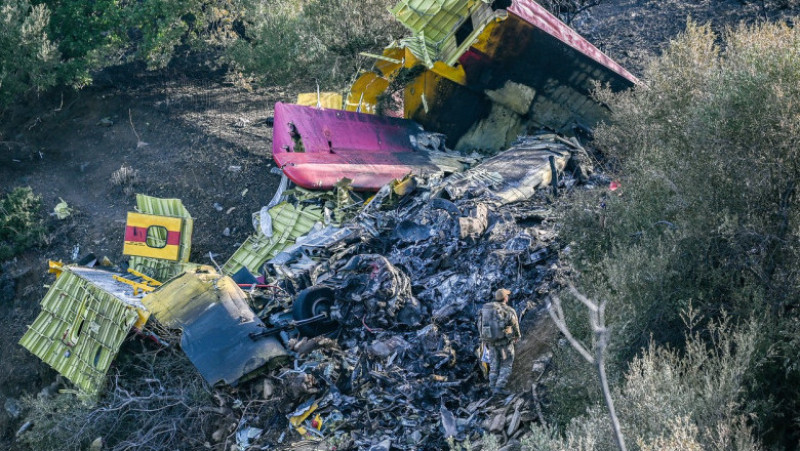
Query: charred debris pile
[[359, 318], [408, 278]]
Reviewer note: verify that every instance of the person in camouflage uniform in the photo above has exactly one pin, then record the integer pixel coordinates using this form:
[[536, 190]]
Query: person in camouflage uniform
[[499, 329]]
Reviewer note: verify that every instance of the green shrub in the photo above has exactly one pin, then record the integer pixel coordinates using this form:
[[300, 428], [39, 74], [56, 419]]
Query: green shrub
[[27, 55], [21, 225], [711, 145], [287, 41], [708, 214], [65, 42], [277, 41], [670, 400], [93, 35]]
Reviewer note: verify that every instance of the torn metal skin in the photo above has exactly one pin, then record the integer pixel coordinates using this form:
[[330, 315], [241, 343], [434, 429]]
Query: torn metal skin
[[85, 316], [316, 148], [174, 233], [288, 223], [217, 324], [489, 69], [442, 248], [370, 289], [514, 174]]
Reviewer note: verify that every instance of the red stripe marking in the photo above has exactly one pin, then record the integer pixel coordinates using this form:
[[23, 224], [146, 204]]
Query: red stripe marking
[[173, 238], [135, 234]]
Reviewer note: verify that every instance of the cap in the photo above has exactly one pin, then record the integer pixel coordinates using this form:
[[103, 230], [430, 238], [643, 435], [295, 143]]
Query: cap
[[500, 294]]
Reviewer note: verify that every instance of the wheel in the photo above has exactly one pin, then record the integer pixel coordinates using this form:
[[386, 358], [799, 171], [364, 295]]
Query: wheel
[[311, 302]]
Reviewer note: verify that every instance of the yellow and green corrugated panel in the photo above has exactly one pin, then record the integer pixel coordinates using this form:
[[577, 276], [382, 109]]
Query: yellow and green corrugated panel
[[79, 330], [434, 23], [163, 270], [288, 224]]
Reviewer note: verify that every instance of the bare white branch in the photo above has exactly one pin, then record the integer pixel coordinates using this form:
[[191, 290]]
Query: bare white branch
[[600, 342], [558, 319], [589, 304]]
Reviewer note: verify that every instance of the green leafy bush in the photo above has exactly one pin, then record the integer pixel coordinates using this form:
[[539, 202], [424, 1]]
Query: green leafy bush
[[311, 39], [671, 400], [709, 149], [65, 42], [92, 35], [278, 41], [708, 214], [27, 55], [21, 225]]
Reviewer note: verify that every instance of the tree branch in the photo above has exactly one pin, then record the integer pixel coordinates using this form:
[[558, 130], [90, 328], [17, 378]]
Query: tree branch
[[558, 319], [597, 318]]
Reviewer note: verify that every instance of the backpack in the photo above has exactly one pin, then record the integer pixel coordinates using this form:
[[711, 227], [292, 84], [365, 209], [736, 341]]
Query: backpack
[[492, 324]]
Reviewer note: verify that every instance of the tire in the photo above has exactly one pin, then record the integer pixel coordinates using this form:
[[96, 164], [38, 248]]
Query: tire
[[311, 302]]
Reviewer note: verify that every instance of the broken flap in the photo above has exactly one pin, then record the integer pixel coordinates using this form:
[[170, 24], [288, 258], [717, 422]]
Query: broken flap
[[217, 324]]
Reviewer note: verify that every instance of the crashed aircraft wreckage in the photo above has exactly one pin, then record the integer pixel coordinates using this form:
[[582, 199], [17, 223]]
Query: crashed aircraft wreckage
[[475, 75], [396, 285], [372, 299], [317, 148], [216, 323]]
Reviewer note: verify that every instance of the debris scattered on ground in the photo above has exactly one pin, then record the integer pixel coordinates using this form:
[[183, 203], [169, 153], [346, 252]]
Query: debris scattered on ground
[[158, 266], [62, 210], [407, 281], [316, 148], [474, 71], [85, 316], [12, 408], [361, 308], [381, 331], [218, 326]]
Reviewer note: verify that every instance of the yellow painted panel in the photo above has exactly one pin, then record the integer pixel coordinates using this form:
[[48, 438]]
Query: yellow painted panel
[[387, 67], [328, 100], [484, 42], [141, 320], [455, 74], [420, 92], [136, 243], [143, 220], [172, 301], [409, 60], [364, 94], [143, 250]]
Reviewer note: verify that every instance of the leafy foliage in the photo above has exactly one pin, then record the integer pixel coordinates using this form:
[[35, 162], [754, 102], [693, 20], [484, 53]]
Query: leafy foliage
[[64, 42], [93, 35], [670, 400], [27, 55], [708, 214], [311, 39], [277, 41], [20, 222]]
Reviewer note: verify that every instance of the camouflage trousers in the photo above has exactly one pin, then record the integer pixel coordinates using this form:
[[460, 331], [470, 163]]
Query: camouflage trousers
[[500, 364]]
